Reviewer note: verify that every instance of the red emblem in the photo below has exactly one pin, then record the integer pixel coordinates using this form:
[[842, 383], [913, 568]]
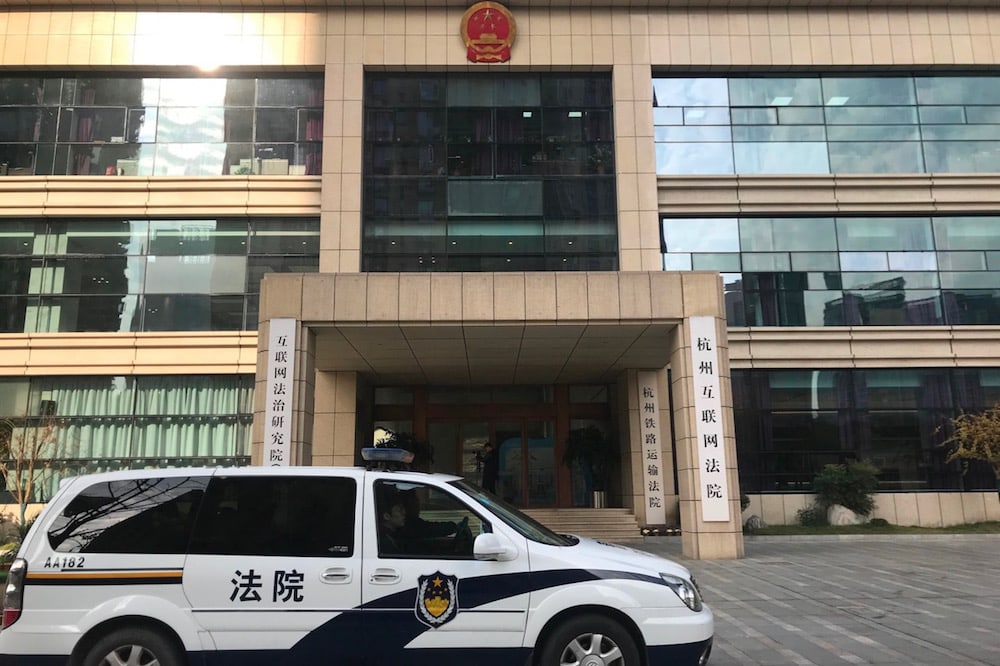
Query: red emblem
[[488, 31]]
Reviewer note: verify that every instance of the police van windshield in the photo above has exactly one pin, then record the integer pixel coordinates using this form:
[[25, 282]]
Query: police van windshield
[[525, 525]]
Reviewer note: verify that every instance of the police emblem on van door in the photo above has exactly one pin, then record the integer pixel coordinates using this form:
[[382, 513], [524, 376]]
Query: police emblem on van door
[[437, 599]]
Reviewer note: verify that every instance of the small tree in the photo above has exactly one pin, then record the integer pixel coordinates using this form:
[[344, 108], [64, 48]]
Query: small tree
[[28, 452], [976, 437], [849, 485]]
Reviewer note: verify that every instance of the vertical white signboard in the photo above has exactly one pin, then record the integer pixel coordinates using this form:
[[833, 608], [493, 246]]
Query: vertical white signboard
[[278, 411], [652, 454], [714, 491]]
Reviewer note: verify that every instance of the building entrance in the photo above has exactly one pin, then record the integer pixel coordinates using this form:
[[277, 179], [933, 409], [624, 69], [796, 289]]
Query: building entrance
[[525, 450]]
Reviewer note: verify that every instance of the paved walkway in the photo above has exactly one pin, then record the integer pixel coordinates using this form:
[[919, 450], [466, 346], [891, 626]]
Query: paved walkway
[[891, 601]]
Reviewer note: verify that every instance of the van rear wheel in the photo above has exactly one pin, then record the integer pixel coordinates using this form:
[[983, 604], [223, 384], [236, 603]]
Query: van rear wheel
[[133, 646], [590, 640]]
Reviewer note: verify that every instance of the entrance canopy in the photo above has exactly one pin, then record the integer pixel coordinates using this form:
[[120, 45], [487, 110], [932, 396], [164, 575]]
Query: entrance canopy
[[490, 328], [492, 354]]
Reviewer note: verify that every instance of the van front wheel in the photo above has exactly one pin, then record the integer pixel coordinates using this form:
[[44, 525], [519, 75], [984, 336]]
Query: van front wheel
[[133, 646], [590, 640]]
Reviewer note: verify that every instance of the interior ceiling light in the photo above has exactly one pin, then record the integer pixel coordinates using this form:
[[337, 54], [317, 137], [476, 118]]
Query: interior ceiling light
[[781, 101], [837, 101]]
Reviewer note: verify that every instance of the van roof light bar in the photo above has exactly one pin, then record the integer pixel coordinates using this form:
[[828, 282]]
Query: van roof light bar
[[386, 458]]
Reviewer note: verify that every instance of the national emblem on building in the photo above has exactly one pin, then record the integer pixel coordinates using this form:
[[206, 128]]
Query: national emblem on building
[[488, 30]]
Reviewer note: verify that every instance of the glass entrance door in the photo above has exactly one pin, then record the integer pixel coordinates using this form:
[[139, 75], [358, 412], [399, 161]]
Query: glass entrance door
[[525, 453]]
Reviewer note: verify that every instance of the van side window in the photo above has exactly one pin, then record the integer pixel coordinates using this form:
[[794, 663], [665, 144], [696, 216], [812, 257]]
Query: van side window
[[419, 521], [300, 516], [151, 515]]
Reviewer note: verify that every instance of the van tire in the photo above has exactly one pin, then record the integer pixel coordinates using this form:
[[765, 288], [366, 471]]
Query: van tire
[[576, 636], [134, 646]]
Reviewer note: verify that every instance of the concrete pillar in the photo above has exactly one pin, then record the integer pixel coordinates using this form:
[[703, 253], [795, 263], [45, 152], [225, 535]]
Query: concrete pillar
[[303, 388], [335, 429], [630, 416], [703, 539]]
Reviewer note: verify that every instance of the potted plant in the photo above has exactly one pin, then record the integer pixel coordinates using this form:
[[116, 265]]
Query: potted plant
[[592, 451]]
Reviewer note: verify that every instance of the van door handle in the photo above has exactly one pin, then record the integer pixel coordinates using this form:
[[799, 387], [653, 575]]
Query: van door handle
[[384, 576], [336, 575]]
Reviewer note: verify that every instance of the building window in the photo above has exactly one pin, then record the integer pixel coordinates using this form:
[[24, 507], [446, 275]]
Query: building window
[[846, 271], [105, 423], [62, 275], [143, 126], [813, 124], [790, 423], [489, 173]]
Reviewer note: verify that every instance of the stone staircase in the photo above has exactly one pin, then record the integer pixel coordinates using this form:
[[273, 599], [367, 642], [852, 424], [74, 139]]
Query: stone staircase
[[616, 525]]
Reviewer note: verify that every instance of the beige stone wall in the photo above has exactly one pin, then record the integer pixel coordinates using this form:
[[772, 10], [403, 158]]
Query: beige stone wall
[[182, 353], [927, 509]]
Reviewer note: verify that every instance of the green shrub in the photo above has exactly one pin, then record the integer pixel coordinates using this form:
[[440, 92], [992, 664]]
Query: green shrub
[[811, 516], [744, 502], [849, 485], [878, 522], [23, 528]]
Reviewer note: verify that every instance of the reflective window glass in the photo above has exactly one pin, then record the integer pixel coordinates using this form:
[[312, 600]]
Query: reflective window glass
[[912, 261], [972, 307], [192, 312], [864, 261], [876, 157], [935, 115], [957, 90], [887, 280], [198, 237], [815, 261], [205, 274], [766, 261], [710, 235], [677, 262], [961, 261], [867, 233], [775, 91], [962, 156], [874, 124], [763, 235], [967, 233], [970, 280], [725, 263], [97, 313], [691, 92], [868, 91], [694, 158], [781, 157]]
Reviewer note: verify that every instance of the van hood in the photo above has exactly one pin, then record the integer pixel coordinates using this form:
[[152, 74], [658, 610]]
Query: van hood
[[591, 552]]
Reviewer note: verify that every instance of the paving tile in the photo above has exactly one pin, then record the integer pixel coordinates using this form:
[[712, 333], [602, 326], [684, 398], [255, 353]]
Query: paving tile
[[888, 601]]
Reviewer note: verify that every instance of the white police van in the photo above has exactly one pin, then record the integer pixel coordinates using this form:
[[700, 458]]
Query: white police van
[[346, 566]]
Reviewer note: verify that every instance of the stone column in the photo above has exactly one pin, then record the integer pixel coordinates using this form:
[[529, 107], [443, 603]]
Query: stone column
[[334, 432], [300, 401], [634, 458], [703, 539]]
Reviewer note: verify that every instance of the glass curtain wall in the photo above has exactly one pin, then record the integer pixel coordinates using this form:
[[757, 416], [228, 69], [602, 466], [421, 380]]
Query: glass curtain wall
[[72, 275], [790, 423], [846, 271], [102, 423], [489, 173], [814, 124], [98, 125]]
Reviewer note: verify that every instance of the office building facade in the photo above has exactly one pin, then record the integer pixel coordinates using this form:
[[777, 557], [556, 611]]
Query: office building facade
[[774, 229]]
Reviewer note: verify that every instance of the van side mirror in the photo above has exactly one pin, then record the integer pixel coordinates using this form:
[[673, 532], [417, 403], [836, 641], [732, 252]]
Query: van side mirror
[[489, 546]]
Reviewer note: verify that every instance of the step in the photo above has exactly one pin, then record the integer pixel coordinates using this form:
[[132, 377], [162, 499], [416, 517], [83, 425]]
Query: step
[[615, 524]]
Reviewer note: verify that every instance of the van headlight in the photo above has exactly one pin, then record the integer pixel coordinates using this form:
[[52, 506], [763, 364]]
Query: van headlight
[[685, 590]]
